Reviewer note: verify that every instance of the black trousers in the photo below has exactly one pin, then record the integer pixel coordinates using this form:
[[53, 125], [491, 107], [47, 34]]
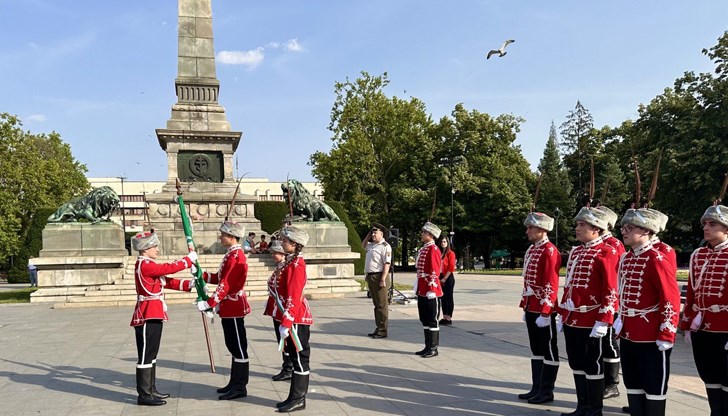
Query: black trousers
[[300, 359], [645, 368], [711, 358], [543, 341], [585, 352], [236, 339], [429, 311], [448, 301], [148, 338]]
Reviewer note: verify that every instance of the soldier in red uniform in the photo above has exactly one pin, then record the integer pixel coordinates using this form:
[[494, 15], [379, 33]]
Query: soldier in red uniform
[[705, 316], [587, 308], [291, 310], [428, 289], [649, 307], [610, 347], [279, 256], [232, 305], [150, 311], [541, 265]]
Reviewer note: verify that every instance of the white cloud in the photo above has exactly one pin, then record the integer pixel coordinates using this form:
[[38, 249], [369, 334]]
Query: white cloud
[[293, 45], [251, 58], [34, 118], [274, 45]]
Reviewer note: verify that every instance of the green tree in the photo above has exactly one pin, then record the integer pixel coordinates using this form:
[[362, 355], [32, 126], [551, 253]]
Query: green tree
[[382, 165], [556, 189], [579, 146], [36, 170]]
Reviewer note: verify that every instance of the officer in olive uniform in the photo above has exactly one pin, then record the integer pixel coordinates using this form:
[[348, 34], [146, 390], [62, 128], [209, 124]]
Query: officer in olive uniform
[[378, 260]]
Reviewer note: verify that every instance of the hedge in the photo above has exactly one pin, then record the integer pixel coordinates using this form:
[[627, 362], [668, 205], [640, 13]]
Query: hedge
[[271, 213], [32, 244]]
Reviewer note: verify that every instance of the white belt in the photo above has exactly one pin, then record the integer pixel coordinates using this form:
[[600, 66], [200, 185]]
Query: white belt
[[712, 308], [236, 296], [638, 312], [580, 309], [142, 298]]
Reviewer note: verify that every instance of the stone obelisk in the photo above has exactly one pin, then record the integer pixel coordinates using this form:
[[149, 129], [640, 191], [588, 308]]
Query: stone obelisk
[[199, 144]]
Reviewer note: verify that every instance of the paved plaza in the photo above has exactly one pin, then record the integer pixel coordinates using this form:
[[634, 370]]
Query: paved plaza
[[81, 362]]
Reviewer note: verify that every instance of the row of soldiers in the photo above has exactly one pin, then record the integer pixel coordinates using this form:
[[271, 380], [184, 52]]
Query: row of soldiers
[[611, 294]]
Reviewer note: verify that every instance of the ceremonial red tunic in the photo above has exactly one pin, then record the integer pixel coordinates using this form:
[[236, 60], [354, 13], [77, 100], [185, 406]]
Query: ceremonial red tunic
[[590, 292], [230, 279], [273, 289], [289, 293], [649, 301], [541, 266], [666, 250], [429, 265], [150, 280], [615, 243], [708, 289]]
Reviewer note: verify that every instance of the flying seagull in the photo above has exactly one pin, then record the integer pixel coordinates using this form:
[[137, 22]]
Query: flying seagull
[[501, 51]]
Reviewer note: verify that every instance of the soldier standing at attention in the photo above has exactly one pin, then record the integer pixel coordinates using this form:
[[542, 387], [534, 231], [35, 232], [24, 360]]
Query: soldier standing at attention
[[610, 347], [587, 308], [541, 265], [279, 256], [376, 267], [427, 288], [649, 305], [150, 311], [705, 316], [230, 299]]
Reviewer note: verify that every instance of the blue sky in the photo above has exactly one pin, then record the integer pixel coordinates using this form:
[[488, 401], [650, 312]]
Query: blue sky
[[101, 73]]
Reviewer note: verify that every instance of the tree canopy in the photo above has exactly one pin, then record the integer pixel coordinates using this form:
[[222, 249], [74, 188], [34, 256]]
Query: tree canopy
[[36, 170]]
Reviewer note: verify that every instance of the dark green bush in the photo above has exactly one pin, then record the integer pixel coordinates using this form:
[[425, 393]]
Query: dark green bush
[[271, 213], [32, 244]]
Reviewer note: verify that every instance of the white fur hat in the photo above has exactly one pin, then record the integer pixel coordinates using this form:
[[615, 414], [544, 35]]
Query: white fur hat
[[432, 229], [277, 247], [232, 228], [610, 215], [540, 220], [144, 240], [646, 218], [294, 234], [717, 213], [593, 216]]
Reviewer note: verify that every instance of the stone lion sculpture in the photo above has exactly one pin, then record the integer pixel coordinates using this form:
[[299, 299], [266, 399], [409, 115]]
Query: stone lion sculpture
[[93, 206], [306, 205]]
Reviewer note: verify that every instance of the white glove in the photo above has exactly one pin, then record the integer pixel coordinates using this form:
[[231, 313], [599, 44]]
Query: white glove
[[431, 295], [414, 286], [203, 306], [688, 337], [726, 346], [617, 325], [192, 255], [663, 345], [543, 321], [559, 324], [697, 321], [284, 331], [523, 318], [193, 270], [599, 330], [192, 285]]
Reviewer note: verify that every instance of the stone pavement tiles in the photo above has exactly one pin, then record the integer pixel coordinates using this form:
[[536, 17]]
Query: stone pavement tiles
[[81, 362]]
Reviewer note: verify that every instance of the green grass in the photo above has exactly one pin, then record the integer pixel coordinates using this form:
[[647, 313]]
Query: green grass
[[17, 296]]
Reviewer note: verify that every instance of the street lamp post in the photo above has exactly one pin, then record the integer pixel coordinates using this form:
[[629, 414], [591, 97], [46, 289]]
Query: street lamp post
[[121, 203], [557, 214]]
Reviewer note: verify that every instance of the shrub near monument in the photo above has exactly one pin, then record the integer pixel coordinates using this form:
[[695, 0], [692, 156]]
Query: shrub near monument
[[271, 213], [32, 244]]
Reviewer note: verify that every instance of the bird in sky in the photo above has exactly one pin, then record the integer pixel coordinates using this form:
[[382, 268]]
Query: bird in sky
[[502, 51]]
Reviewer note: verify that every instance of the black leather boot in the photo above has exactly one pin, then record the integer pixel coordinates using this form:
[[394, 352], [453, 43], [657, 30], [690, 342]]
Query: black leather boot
[[144, 388], [655, 407], [296, 396], [536, 368], [546, 390], [428, 341], [715, 401], [595, 392], [581, 396], [286, 370], [238, 381], [611, 380], [155, 393], [434, 343], [636, 404], [230, 380]]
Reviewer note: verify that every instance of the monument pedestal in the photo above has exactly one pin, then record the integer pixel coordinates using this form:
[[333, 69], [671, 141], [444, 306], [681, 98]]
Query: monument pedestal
[[80, 254]]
